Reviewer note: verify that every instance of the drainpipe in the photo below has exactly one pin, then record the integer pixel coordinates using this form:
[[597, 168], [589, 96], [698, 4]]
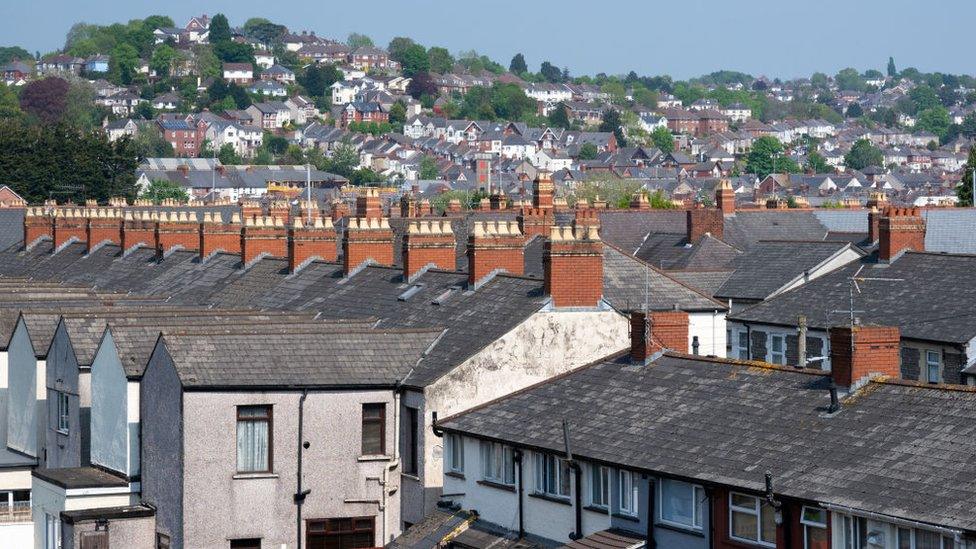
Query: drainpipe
[[299, 493], [748, 342], [651, 501], [578, 476], [801, 341], [710, 494], [519, 454]]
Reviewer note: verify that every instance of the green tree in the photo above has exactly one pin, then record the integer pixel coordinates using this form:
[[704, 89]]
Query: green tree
[[9, 103], [892, 72], [611, 123], [264, 31], [935, 120], [862, 155], [588, 151], [344, 159], [397, 47], [518, 66], [854, 110], [550, 72], [357, 40], [849, 79], [767, 156], [819, 80], [559, 117], [965, 189], [162, 60], [415, 60], [316, 79], [149, 143], [123, 65], [663, 140], [228, 156], [160, 189], [428, 168], [440, 60], [924, 97], [645, 97], [817, 163], [13, 53], [145, 111], [398, 115], [234, 52], [219, 29]]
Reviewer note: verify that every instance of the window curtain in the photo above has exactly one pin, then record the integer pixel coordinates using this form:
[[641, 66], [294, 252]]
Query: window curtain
[[252, 444]]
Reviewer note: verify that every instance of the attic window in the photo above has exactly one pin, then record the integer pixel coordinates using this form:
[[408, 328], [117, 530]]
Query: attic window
[[410, 292], [441, 299]]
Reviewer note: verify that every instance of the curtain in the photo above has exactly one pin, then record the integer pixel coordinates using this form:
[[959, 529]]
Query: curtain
[[252, 445]]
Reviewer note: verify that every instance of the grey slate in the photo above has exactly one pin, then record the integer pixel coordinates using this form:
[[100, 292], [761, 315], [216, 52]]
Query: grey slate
[[769, 266]]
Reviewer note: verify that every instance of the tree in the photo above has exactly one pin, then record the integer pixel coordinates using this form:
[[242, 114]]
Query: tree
[[924, 97], [518, 66], [766, 157], [344, 159], [398, 114], [588, 151], [123, 64], [965, 189], [357, 40], [228, 156], [559, 117], [145, 110], [611, 123], [316, 79], [415, 60], [46, 99], [854, 110], [849, 79], [968, 126], [550, 72], [149, 143], [234, 52], [817, 163], [13, 53], [160, 189], [892, 72], [440, 60], [162, 60], [219, 29], [663, 140], [935, 120], [9, 103], [819, 80], [397, 47], [420, 85], [428, 168], [862, 155], [264, 31]]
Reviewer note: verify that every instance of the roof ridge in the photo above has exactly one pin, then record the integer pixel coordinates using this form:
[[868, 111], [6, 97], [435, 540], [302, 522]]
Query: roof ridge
[[749, 363], [665, 275]]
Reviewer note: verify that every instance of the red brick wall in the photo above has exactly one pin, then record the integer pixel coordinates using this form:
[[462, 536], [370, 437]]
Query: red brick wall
[[725, 200], [874, 225], [368, 205], [138, 231], [420, 250], [536, 221], [103, 230], [171, 235], [257, 240], [573, 272], [67, 227], [876, 351], [36, 226], [586, 218], [304, 244], [900, 229], [704, 220], [219, 237], [668, 330], [494, 252], [360, 245]]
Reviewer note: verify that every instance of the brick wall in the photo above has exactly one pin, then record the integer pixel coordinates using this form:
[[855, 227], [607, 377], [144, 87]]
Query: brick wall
[[700, 221], [37, 224], [138, 228], [103, 229], [174, 231], [67, 227], [495, 246], [264, 235], [367, 239], [900, 229], [305, 243], [216, 236], [573, 265], [668, 330], [368, 204], [535, 221], [426, 243], [876, 351]]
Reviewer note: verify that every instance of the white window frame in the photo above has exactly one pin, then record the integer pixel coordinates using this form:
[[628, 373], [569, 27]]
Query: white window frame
[[810, 523], [628, 493], [545, 463], [698, 496], [64, 414], [930, 363], [454, 445], [944, 542], [742, 353], [755, 511], [602, 487], [782, 353], [492, 451]]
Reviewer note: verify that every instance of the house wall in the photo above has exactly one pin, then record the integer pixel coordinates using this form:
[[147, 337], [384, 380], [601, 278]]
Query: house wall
[[63, 449], [46, 499], [110, 444], [546, 344], [3, 397], [23, 385], [709, 327], [131, 532], [343, 483]]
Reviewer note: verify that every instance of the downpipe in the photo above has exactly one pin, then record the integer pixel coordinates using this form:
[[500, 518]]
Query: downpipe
[[300, 494]]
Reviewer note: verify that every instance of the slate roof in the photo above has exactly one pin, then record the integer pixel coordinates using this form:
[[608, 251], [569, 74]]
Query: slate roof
[[706, 282], [629, 283], [355, 358], [895, 448], [768, 267], [928, 296], [11, 227]]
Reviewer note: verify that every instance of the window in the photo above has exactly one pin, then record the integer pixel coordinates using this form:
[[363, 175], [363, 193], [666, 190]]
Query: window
[[340, 533], [628, 492], [254, 439], [374, 427], [551, 475], [777, 346], [855, 533], [681, 504], [455, 453], [743, 346], [599, 486], [497, 463], [410, 442], [249, 543], [63, 421], [162, 541], [912, 538], [751, 519], [933, 367], [814, 523]]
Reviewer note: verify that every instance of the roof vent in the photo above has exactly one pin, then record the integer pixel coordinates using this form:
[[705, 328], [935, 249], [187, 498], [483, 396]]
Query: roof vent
[[411, 291]]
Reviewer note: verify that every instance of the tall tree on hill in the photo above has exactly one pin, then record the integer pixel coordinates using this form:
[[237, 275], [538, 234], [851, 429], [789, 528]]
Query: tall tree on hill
[[767, 157], [550, 72], [862, 155], [440, 59], [965, 189], [397, 47], [663, 139], [46, 99], [357, 40], [611, 123], [559, 117], [518, 66], [892, 72], [415, 60], [219, 29]]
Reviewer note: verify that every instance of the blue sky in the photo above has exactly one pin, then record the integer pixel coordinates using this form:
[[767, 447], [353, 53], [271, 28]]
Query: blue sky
[[686, 38]]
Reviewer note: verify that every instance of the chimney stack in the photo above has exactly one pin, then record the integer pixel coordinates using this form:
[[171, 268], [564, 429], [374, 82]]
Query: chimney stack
[[280, 208], [875, 350], [217, 236], [900, 229], [408, 205], [701, 221], [308, 242], [454, 206], [368, 204], [138, 229], [366, 240], [573, 263], [177, 231], [540, 217], [428, 244], [639, 201], [423, 208], [69, 226], [725, 197], [339, 210], [104, 227], [263, 237], [38, 226], [494, 246], [655, 331], [251, 209]]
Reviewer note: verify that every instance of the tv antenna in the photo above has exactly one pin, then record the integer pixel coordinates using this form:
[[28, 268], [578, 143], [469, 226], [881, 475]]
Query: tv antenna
[[855, 287]]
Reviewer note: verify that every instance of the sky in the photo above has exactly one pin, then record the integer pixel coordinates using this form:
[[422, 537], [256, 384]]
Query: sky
[[775, 38]]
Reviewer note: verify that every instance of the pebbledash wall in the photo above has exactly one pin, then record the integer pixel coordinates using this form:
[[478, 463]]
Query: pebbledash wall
[[537, 349]]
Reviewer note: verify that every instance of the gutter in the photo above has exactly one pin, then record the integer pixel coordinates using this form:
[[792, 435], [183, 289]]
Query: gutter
[[957, 534]]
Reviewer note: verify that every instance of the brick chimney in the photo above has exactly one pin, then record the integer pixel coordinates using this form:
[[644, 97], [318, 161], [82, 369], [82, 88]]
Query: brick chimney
[[586, 217], [656, 331], [368, 204], [876, 202], [542, 191], [408, 205], [725, 197], [263, 237], [104, 227], [875, 350], [572, 259], [900, 229], [639, 202], [494, 246], [339, 210], [177, 231], [428, 244], [454, 206], [69, 226], [366, 240], [498, 200], [217, 236], [38, 225], [308, 242], [251, 209], [280, 208], [702, 221], [423, 208], [138, 229]]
